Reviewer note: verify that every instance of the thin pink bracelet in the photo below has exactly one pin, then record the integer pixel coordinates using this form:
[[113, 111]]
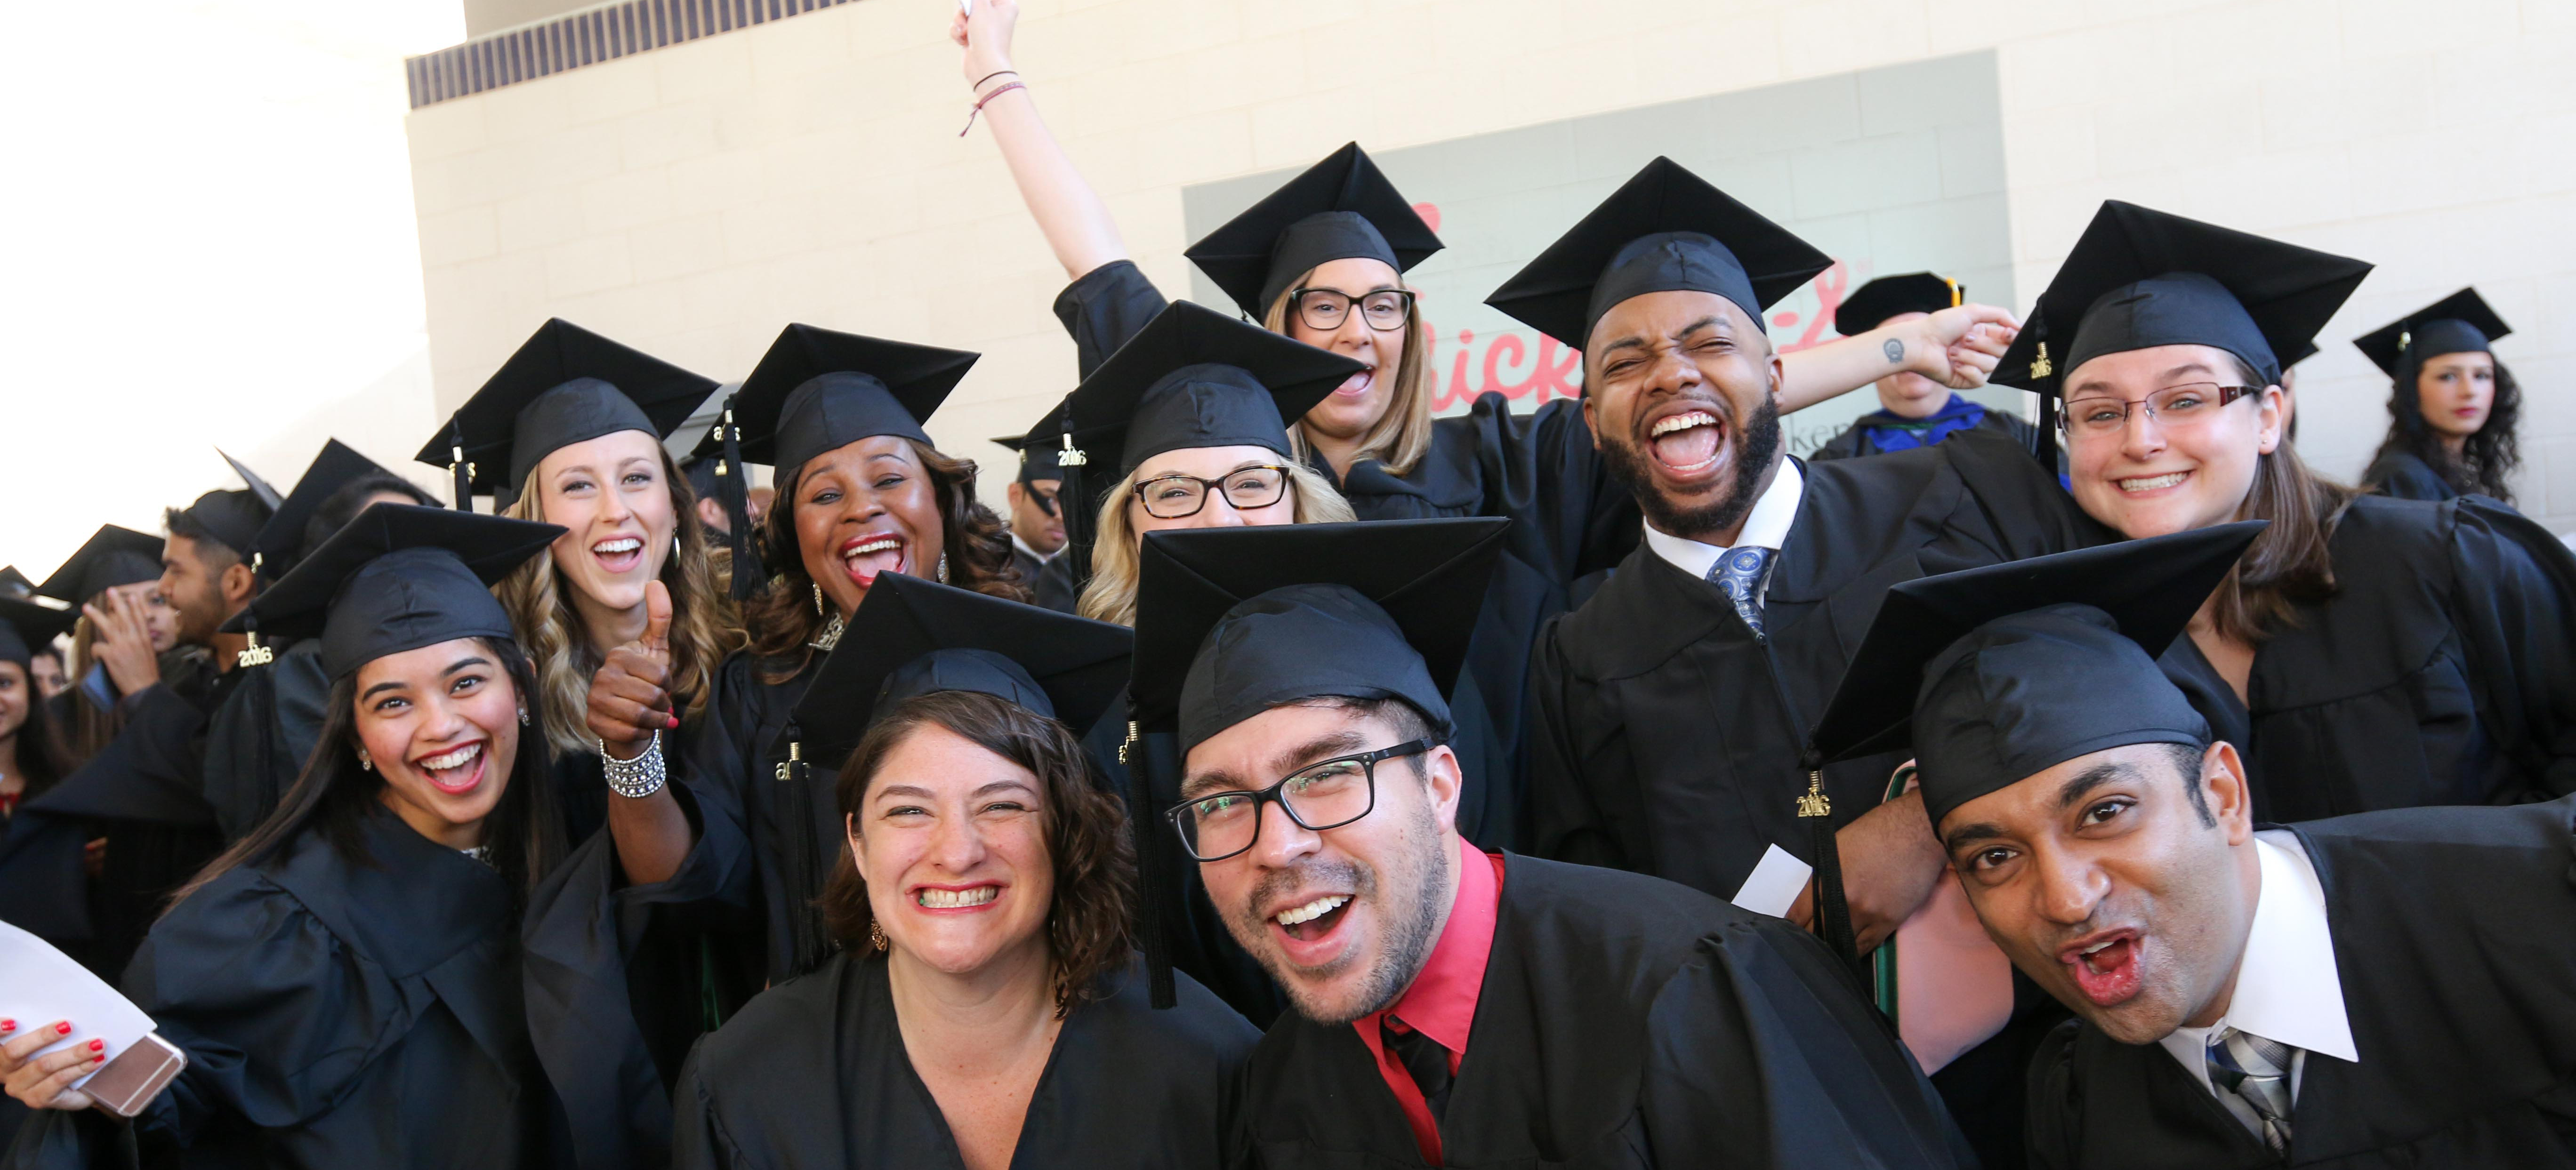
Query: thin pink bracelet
[[998, 91]]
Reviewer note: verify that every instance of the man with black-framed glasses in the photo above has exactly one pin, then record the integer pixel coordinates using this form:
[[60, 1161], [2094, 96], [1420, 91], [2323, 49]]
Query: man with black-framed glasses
[[1453, 1005]]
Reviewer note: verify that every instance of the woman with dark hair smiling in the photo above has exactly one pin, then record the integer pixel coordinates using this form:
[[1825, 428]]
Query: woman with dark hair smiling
[[2453, 408], [861, 493], [986, 1008], [345, 980], [2367, 653]]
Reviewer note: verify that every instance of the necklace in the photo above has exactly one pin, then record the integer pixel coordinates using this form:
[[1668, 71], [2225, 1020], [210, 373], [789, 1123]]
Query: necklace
[[831, 635], [482, 853]]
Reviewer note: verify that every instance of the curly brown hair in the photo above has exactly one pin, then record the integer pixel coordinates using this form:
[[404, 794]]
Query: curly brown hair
[[1090, 925], [783, 618]]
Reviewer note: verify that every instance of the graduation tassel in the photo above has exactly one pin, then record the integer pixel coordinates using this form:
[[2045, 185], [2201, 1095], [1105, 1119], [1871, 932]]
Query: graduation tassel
[[2043, 438], [458, 468], [1833, 913], [736, 490], [1078, 508], [806, 940], [1155, 884]]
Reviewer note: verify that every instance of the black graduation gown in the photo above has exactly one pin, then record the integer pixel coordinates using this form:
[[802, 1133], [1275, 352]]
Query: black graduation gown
[[1052, 588], [1660, 741], [2406, 476], [752, 809], [812, 1075], [2442, 671], [335, 1014], [258, 742], [1571, 524], [2455, 940], [144, 793], [1194, 934], [1623, 1021], [1854, 442]]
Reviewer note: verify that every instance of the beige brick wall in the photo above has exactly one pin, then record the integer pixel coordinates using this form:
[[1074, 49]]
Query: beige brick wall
[[694, 199]]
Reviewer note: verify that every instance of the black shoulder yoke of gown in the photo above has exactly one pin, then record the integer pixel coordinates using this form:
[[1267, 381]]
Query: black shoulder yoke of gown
[[2406, 476]]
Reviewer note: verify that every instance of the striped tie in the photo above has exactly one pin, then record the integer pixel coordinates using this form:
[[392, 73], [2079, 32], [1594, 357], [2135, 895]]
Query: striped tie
[[1738, 575], [2258, 1071]]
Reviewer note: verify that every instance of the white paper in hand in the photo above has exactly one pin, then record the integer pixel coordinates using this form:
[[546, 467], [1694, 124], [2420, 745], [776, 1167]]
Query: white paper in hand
[[39, 985], [1774, 884]]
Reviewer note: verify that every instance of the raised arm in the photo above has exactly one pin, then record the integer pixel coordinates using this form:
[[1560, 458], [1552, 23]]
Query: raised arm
[[1956, 347], [1069, 213]]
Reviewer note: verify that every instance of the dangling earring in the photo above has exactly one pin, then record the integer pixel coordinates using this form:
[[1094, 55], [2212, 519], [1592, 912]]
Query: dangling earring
[[876, 935], [818, 597], [523, 716], [365, 762], [943, 568]]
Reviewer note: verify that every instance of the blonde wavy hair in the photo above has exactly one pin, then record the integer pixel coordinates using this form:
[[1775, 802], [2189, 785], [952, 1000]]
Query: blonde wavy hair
[[704, 626], [1111, 596], [1402, 436]]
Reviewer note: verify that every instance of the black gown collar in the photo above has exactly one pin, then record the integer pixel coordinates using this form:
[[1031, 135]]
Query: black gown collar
[[411, 906]]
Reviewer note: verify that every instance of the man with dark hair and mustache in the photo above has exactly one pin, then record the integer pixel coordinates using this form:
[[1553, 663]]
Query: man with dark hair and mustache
[[1453, 1006], [1669, 712], [2380, 990]]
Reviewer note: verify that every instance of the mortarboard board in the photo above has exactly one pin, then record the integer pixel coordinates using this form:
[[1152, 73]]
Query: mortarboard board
[[27, 625], [2139, 278], [1234, 621], [1339, 209], [1193, 377], [818, 390], [399, 577], [1038, 452], [112, 556], [1872, 304], [912, 636], [1998, 673], [232, 516], [14, 583], [565, 385], [269, 497], [2459, 323], [1664, 230], [282, 537]]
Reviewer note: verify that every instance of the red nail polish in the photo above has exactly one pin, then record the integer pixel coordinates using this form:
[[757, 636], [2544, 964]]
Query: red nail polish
[[63, 1029], [8, 1025], [675, 721], [98, 1045]]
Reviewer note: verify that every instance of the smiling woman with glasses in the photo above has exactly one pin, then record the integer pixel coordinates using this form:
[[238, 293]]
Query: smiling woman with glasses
[[2366, 653]]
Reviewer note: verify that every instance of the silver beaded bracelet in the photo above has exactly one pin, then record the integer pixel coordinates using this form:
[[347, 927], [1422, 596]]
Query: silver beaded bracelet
[[637, 778]]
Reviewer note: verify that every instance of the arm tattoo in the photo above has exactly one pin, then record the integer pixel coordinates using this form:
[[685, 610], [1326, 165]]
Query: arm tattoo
[[1895, 351]]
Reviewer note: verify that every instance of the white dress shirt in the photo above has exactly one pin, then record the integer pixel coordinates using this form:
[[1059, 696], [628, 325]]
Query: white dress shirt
[[1024, 548], [1766, 526], [2287, 987]]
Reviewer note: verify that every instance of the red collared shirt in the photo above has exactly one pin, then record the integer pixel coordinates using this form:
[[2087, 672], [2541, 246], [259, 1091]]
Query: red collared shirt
[[1441, 1003]]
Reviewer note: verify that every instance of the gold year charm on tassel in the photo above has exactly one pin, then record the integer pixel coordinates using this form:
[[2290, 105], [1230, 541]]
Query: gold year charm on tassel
[[1815, 803]]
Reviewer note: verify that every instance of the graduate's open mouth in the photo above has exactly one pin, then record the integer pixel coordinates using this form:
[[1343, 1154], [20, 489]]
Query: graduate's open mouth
[[455, 771], [2105, 966], [1357, 384], [2144, 485], [618, 554], [957, 899], [1687, 444], [1307, 929], [867, 555]]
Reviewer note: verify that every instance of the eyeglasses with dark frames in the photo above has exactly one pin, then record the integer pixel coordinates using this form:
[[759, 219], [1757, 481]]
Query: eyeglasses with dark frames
[[1324, 309], [1173, 497], [1327, 794]]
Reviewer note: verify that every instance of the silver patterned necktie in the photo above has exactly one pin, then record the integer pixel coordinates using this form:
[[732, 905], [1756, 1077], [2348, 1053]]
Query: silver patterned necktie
[[1738, 574], [2258, 1072]]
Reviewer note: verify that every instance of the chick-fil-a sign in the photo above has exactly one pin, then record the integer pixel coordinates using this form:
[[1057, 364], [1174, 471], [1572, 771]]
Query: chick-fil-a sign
[[1465, 364]]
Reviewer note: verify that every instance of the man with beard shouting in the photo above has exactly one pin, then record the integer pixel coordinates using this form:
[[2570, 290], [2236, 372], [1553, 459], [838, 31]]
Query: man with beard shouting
[[1455, 1007]]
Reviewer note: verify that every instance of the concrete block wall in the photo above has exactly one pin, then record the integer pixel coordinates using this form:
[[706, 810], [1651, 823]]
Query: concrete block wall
[[696, 198]]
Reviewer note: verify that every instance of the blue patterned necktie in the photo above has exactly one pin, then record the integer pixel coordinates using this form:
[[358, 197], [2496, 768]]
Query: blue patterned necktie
[[2258, 1071], [1738, 574]]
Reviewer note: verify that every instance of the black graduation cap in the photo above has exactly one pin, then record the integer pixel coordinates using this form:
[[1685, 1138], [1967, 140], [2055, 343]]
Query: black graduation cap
[[1872, 304], [2139, 278], [268, 495], [817, 390], [399, 577], [336, 467], [112, 556], [1340, 209], [1233, 621], [1038, 453], [232, 516], [14, 583], [26, 625], [565, 385], [1664, 230], [912, 636], [1997, 673], [2459, 323], [1194, 377]]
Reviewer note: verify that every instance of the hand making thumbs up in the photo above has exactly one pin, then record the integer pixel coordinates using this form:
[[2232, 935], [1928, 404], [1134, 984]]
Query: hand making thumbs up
[[630, 697]]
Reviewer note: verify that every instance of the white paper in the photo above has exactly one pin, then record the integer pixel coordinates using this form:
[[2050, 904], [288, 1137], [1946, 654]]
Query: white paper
[[40, 985], [1774, 884]]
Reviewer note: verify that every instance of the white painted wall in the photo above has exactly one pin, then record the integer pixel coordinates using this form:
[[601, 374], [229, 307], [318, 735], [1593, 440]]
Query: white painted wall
[[694, 199], [210, 242]]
